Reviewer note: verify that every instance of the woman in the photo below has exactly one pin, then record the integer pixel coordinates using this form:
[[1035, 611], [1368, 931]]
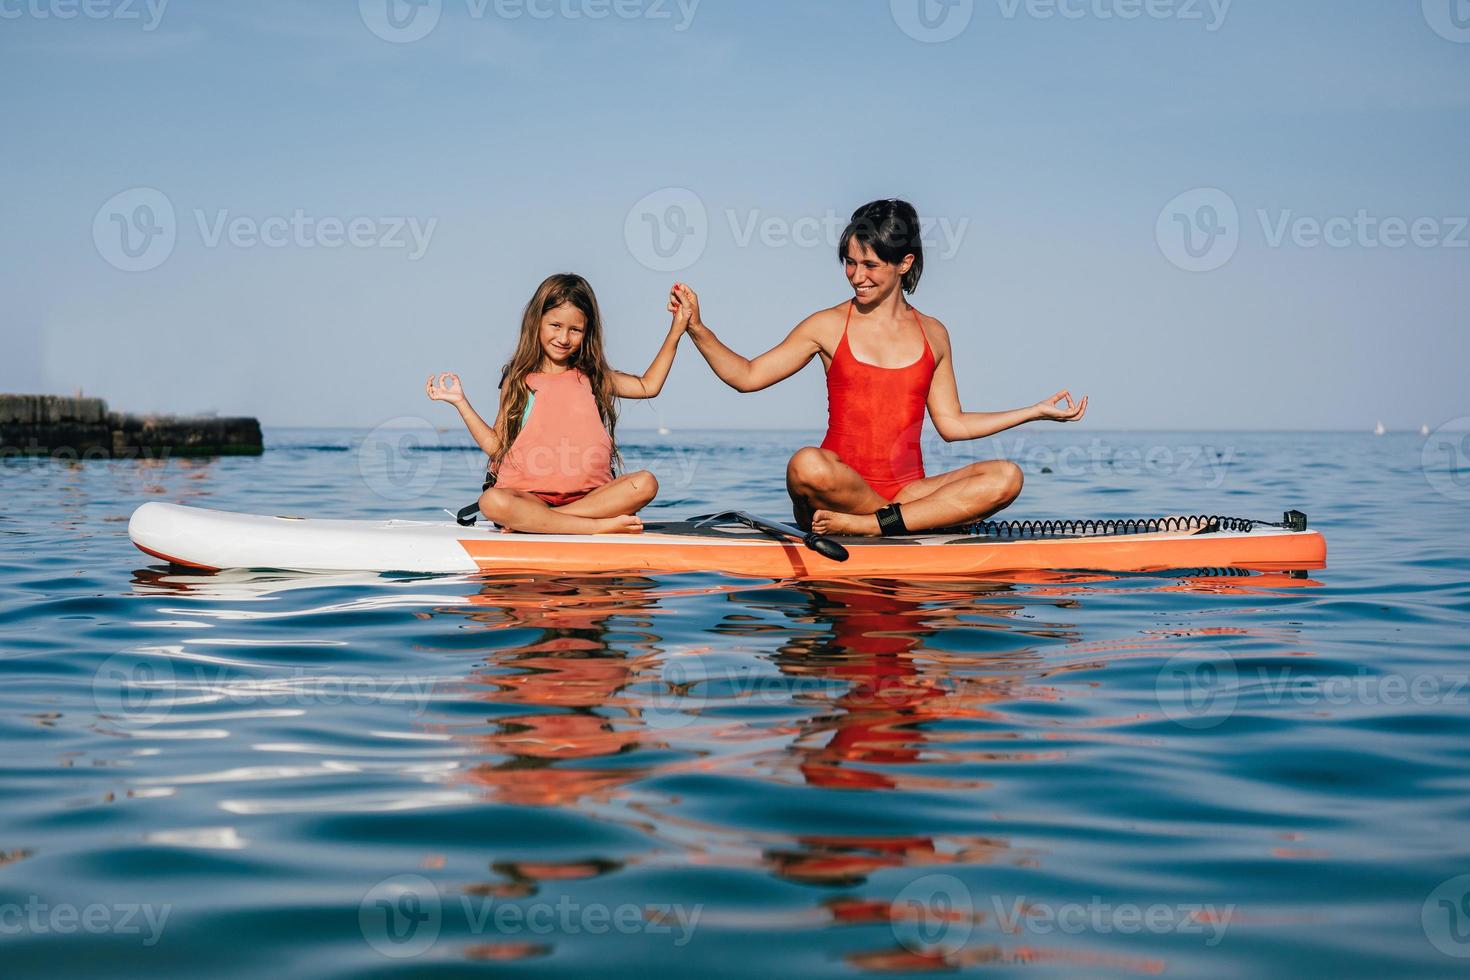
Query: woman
[[885, 363]]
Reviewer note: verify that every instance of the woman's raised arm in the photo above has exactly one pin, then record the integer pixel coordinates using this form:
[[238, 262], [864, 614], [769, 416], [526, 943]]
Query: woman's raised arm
[[745, 374]]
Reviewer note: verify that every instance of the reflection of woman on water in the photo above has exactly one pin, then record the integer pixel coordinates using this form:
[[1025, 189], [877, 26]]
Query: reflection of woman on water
[[878, 721]]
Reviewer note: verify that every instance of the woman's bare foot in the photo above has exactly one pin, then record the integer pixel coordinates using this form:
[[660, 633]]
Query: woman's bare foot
[[831, 522]]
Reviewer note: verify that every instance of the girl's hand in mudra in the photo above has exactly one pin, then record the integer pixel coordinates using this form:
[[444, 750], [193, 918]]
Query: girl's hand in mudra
[[445, 388], [1061, 408]]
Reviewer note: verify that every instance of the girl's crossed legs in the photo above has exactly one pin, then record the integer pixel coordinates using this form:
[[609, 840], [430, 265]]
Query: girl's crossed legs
[[609, 509]]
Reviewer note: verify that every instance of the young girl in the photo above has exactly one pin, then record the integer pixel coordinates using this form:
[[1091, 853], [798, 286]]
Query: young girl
[[551, 447], [886, 363]]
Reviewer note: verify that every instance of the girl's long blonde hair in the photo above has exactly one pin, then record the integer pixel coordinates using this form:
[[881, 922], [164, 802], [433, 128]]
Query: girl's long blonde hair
[[591, 360]]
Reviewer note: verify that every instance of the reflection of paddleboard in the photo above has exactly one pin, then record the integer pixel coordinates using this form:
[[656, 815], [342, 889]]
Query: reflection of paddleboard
[[194, 537]]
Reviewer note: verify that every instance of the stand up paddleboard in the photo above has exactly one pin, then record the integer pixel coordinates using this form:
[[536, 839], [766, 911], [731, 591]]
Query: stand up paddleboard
[[732, 543]]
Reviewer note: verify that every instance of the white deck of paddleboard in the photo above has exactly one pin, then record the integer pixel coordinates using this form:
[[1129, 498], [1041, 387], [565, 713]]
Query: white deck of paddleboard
[[219, 539]]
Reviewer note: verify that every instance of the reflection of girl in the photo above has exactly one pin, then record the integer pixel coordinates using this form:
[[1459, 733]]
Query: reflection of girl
[[885, 363], [560, 699], [551, 446]]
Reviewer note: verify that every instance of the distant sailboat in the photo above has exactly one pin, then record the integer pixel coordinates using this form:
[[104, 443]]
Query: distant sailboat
[[1423, 430], [1379, 430]]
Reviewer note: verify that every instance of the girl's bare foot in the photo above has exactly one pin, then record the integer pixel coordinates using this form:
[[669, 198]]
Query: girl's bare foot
[[566, 524], [626, 524], [831, 522]]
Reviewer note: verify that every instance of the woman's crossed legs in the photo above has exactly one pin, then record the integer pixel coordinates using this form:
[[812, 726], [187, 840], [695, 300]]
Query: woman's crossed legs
[[830, 497]]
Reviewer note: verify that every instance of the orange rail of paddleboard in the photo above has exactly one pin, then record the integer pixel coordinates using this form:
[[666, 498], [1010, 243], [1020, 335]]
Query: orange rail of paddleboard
[[1285, 551]]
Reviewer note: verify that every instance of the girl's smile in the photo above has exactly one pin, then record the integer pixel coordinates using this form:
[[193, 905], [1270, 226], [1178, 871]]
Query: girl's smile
[[562, 330]]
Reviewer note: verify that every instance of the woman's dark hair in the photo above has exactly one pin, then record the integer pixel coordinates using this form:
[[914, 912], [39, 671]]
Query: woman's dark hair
[[891, 229]]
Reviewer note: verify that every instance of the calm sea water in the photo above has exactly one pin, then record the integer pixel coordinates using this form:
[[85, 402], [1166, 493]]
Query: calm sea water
[[357, 775]]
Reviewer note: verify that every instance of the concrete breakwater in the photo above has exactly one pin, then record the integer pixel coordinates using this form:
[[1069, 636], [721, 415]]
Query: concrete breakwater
[[84, 428]]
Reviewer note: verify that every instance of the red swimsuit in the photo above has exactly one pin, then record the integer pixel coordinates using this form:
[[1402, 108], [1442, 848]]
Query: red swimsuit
[[875, 415]]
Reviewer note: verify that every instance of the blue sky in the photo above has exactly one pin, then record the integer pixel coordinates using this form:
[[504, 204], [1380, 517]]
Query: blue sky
[[1206, 215]]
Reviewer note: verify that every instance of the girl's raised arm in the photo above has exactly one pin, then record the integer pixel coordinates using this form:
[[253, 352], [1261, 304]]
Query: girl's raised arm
[[744, 374], [446, 388], [956, 425], [651, 382]]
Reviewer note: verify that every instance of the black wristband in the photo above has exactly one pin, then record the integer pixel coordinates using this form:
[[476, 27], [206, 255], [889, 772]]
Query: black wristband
[[890, 521]]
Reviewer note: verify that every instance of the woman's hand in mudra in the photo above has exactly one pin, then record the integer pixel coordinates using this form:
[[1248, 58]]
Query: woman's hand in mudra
[[1061, 408]]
